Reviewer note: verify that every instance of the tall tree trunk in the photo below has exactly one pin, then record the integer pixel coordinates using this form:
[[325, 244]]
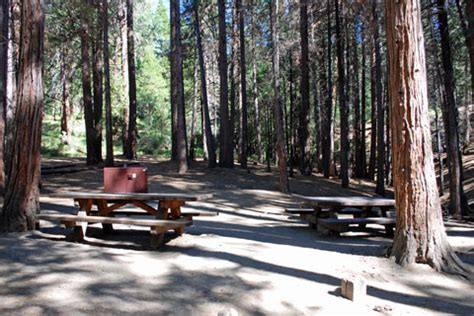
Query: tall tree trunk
[[97, 76], [468, 32], [439, 149], [131, 146], [124, 57], [420, 236], [327, 119], [373, 116], [109, 160], [303, 130], [177, 96], [66, 98], [317, 118], [243, 87], [323, 84], [258, 127], [440, 96], [388, 146], [458, 201], [226, 158], [86, 82], [344, 115], [211, 163], [12, 79], [363, 97], [292, 116], [268, 123], [21, 191], [358, 136], [4, 19], [380, 186], [234, 74], [278, 112], [192, 138]]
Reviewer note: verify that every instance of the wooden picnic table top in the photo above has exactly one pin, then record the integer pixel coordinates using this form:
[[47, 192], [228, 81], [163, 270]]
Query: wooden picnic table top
[[354, 201], [132, 196]]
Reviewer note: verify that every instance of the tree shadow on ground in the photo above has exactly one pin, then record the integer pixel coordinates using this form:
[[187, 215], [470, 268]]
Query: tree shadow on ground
[[34, 267]]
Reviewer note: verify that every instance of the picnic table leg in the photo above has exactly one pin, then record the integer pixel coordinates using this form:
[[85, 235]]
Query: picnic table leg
[[384, 210], [333, 211], [175, 212], [102, 208], [157, 236], [313, 220], [81, 227], [158, 233]]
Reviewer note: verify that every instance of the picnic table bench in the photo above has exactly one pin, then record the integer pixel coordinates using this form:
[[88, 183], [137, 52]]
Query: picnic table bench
[[322, 212], [168, 213]]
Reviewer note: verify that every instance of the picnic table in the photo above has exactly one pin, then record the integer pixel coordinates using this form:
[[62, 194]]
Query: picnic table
[[168, 213], [324, 211]]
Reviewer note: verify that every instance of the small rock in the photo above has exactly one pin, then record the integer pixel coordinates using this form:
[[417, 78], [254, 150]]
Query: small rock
[[228, 312], [382, 309]]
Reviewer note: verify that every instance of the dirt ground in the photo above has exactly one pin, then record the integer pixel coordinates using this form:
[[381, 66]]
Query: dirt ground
[[252, 259]]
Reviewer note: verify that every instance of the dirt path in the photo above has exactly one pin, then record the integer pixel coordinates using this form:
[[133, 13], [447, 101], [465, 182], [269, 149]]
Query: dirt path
[[251, 259]]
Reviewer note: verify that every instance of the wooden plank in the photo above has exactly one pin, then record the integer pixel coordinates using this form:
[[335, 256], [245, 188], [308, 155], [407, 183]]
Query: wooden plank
[[139, 212], [299, 210], [193, 213], [350, 201], [359, 220], [81, 226], [341, 225], [105, 209], [133, 196], [114, 220], [145, 207], [142, 213]]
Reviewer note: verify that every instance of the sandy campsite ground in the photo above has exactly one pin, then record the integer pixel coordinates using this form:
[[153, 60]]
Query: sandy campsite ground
[[251, 259]]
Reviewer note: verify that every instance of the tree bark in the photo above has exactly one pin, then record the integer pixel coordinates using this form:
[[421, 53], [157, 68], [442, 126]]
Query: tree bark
[[22, 193], [109, 160], [97, 76], [226, 158], [458, 201], [4, 19], [358, 136], [363, 97], [12, 79], [234, 74], [125, 94], [373, 116], [380, 185], [66, 98], [177, 97], [131, 146], [468, 32], [439, 149], [243, 88], [303, 130], [192, 138], [323, 84], [292, 116], [326, 125], [278, 112], [420, 236], [256, 104], [86, 82], [344, 114], [211, 163]]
